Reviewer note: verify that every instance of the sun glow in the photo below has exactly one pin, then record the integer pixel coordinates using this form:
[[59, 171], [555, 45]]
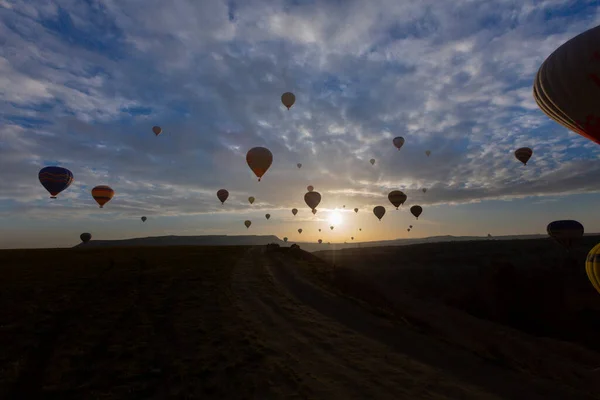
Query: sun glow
[[335, 218]]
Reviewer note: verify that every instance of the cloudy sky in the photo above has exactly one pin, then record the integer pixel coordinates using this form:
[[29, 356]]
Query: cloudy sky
[[83, 82]]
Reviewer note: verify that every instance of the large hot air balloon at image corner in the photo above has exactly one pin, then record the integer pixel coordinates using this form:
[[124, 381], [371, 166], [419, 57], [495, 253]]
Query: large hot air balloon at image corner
[[259, 160], [567, 85], [102, 194], [55, 179]]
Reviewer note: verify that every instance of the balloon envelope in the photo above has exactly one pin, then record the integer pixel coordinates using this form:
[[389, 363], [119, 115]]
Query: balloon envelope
[[523, 154], [398, 142], [144, 219], [416, 211], [427, 152], [288, 99], [310, 188], [314, 211], [565, 232], [312, 199], [85, 237], [299, 165], [320, 241], [379, 212], [157, 130], [592, 267], [251, 200], [356, 210], [267, 216], [102, 194], [247, 223], [424, 190], [222, 195], [55, 179], [285, 239], [294, 211], [397, 198], [300, 230], [259, 160], [372, 161]]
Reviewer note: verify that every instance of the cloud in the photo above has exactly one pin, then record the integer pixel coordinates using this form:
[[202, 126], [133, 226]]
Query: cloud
[[83, 83]]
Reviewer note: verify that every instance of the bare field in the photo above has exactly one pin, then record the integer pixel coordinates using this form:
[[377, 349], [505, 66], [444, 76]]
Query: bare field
[[244, 322]]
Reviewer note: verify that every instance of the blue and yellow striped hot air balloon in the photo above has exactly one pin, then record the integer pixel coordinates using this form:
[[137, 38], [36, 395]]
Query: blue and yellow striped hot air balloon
[[102, 194], [55, 179]]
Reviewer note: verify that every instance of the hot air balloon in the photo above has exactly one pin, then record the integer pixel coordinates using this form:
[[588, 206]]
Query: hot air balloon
[[427, 152], [320, 241], [372, 161], [410, 226], [523, 154], [222, 195], [251, 200], [331, 227], [144, 219], [319, 229], [360, 229], [288, 99], [344, 206], [157, 130], [398, 142], [285, 239], [416, 211], [310, 188], [259, 160], [566, 232], [567, 85], [592, 267], [85, 237], [102, 194], [356, 210], [55, 179], [312, 199], [294, 211], [424, 190], [397, 198], [379, 212], [314, 211], [267, 216], [408, 229], [300, 230], [299, 165], [247, 223], [352, 238]]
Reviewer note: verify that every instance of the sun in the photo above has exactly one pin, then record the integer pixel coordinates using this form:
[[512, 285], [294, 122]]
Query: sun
[[335, 218]]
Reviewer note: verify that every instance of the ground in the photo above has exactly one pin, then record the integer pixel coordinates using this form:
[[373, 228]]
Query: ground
[[248, 322]]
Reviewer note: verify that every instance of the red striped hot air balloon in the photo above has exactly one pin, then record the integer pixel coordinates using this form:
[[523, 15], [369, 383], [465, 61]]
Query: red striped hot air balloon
[[102, 194]]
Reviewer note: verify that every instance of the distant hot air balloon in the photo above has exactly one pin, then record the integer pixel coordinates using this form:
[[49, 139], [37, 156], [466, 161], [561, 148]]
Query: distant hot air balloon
[[310, 188], [592, 267], [285, 239], [360, 229], [294, 211], [523, 154], [267, 216], [157, 130], [397, 198], [251, 200], [372, 161], [379, 212], [565, 232], [312, 199], [85, 237], [55, 179], [144, 219], [319, 229], [299, 165], [424, 190], [356, 210], [331, 227], [288, 99], [416, 211], [259, 160], [222, 195], [567, 85], [408, 229], [320, 241], [300, 230], [398, 142], [247, 223], [410, 226], [352, 238], [102, 194], [314, 211]]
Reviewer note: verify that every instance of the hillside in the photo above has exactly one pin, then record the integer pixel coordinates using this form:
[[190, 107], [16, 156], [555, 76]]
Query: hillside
[[254, 322]]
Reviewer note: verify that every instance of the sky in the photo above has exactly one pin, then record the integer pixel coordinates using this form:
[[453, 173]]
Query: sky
[[83, 82]]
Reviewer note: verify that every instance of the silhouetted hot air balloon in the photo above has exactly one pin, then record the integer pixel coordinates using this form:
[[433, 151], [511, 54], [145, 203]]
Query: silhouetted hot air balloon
[[157, 130], [267, 216], [379, 212], [523, 154], [565, 232], [294, 211], [85, 237], [310, 188], [288, 99], [300, 230], [397, 198], [102, 194], [352, 238], [372, 161], [319, 229], [567, 85], [398, 142], [299, 165], [410, 226], [259, 160], [251, 200], [320, 241], [408, 229], [55, 179], [416, 211], [356, 210], [360, 229], [592, 267], [424, 190], [285, 239], [331, 227], [144, 219], [222, 195], [427, 152], [247, 223], [312, 199], [314, 211]]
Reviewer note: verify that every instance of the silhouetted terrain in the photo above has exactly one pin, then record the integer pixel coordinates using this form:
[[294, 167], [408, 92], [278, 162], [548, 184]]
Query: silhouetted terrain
[[278, 322]]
